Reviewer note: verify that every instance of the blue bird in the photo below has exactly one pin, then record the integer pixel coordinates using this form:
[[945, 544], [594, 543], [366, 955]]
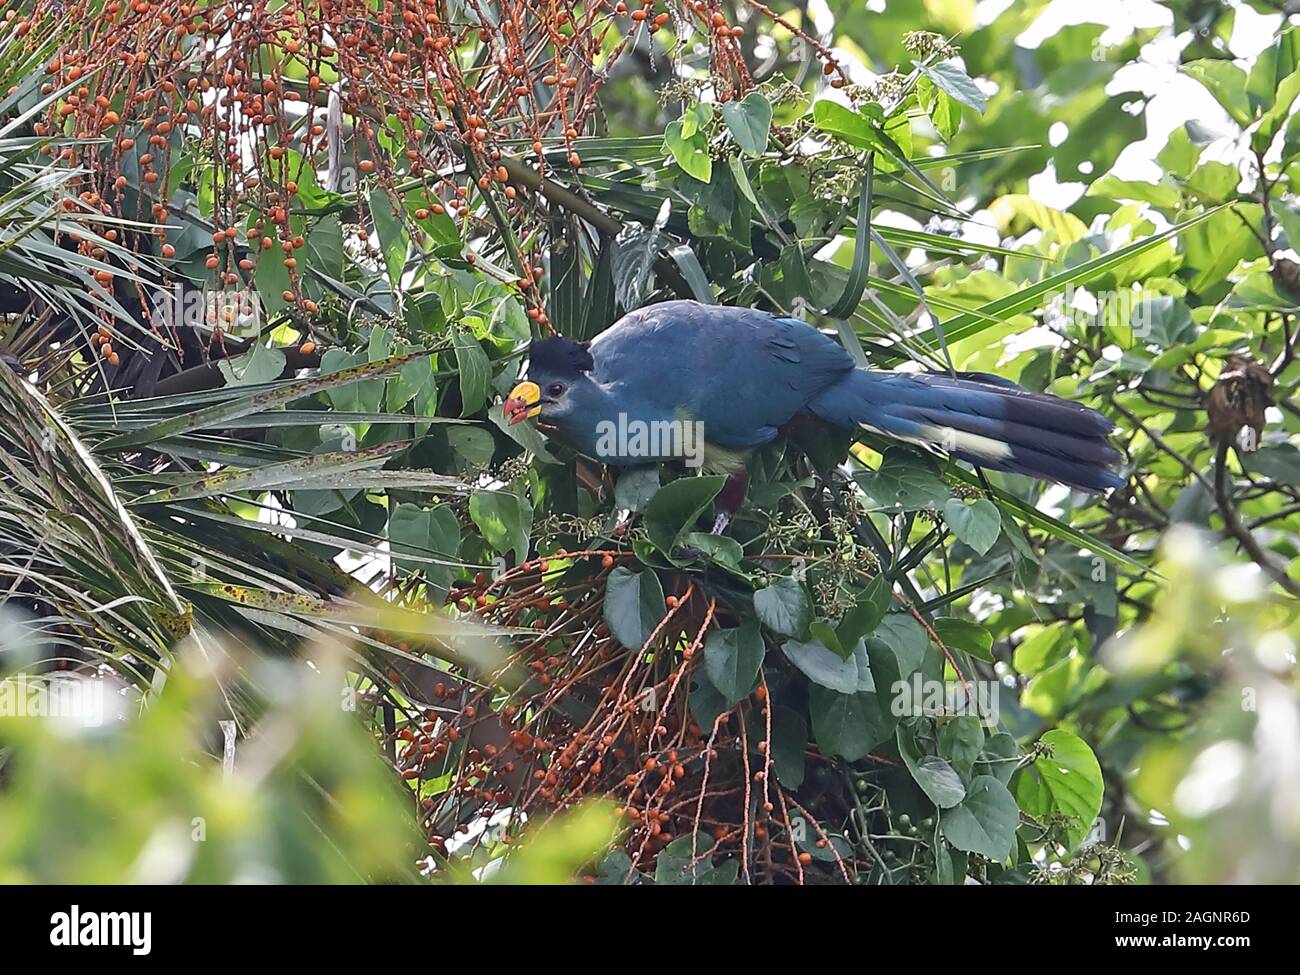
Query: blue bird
[[708, 383]]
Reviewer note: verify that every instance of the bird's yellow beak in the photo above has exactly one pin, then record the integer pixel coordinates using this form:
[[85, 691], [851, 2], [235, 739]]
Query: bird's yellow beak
[[524, 401]]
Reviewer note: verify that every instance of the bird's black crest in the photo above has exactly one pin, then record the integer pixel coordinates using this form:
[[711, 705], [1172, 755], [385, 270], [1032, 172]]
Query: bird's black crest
[[559, 357]]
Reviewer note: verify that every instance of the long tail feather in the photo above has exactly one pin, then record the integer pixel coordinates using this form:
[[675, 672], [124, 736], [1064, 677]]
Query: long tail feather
[[995, 424]]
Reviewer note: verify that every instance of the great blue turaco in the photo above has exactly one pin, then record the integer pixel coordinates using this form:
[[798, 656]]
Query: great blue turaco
[[744, 374]]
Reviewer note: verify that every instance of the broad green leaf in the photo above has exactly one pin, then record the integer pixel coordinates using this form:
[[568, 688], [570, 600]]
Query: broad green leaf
[[358, 397], [272, 281], [823, 666], [1278, 461], [636, 486], [784, 608], [706, 701], [1214, 182], [634, 605], [686, 861], [717, 548], [847, 725], [961, 634], [259, 365], [937, 778], [732, 658], [1226, 82], [824, 633], [749, 121], [905, 481], [844, 123], [961, 739], [675, 508], [978, 524], [524, 434], [414, 381], [474, 370], [998, 757], [426, 532], [870, 605], [1067, 781], [789, 742], [985, 821], [1066, 227], [973, 322], [950, 78], [392, 235], [1055, 527], [1179, 156], [691, 152], [906, 639], [1164, 194], [505, 520]]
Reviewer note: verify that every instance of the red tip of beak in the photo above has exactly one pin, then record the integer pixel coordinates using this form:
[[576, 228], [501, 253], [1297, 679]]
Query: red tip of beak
[[515, 409]]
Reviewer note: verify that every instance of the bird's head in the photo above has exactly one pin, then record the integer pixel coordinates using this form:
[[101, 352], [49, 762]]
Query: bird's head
[[559, 370]]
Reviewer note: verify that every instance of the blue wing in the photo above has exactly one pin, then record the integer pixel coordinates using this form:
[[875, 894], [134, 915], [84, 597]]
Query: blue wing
[[742, 372]]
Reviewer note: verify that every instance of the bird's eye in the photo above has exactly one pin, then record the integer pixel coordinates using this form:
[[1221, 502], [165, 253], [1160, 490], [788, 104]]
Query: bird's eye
[[555, 389]]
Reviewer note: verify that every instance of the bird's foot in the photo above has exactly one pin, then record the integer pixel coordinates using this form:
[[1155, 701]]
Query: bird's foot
[[721, 522]]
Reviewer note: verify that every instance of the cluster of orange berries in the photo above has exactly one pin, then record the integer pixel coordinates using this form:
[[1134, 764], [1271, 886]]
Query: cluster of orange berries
[[654, 762], [133, 66], [102, 340]]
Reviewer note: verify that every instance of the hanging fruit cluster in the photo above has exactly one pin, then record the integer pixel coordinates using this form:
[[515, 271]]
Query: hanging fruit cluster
[[437, 96], [591, 717]]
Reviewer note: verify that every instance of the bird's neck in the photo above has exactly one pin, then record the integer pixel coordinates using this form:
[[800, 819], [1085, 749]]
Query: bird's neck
[[594, 406], [618, 429]]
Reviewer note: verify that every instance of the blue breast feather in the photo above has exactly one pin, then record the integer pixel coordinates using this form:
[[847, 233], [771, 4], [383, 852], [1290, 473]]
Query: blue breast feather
[[741, 372]]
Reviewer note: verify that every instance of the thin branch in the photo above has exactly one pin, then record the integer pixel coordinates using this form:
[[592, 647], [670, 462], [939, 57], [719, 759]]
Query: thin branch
[[1234, 527]]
